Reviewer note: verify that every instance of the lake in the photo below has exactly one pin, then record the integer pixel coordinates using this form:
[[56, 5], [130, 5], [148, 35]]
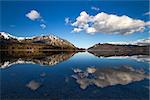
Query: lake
[[69, 75]]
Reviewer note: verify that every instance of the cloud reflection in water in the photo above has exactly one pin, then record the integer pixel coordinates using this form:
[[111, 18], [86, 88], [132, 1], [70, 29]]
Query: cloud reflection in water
[[103, 77]]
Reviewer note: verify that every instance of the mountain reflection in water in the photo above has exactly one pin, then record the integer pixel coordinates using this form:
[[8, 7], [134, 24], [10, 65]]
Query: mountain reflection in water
[[121, 55], [116, 53], [54, 57], [42, 58], [111, 77], [103, 77]]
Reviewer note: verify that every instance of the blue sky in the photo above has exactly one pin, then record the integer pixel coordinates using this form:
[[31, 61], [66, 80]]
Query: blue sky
[[53, 13]]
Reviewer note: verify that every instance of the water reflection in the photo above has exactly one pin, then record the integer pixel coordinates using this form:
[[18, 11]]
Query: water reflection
[[63, 81], [121, 55], [33, 85], [140, 58], [104, 77], [116, 53], [26, 57], [54, 57]]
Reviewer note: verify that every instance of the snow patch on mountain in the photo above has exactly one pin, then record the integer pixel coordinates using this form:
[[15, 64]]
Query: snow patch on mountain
[[8, 36]]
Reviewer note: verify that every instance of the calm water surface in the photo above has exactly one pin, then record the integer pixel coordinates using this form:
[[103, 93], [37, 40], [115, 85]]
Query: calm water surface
[[75, 76]]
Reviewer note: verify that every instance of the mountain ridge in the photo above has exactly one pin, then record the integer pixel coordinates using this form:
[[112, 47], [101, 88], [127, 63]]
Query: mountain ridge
[[50, 41], [53, 42]]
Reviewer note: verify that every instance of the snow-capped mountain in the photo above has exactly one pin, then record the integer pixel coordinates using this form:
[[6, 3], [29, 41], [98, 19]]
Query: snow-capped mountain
[[47, 40], [8, 36], [52, 40]]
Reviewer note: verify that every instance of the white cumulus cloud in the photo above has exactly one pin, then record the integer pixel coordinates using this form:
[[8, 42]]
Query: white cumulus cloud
[[33, 15], [67, 20], [95, 8], [141, 42], [77, 30], [147, 13], [108, 23], [43, 26]]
